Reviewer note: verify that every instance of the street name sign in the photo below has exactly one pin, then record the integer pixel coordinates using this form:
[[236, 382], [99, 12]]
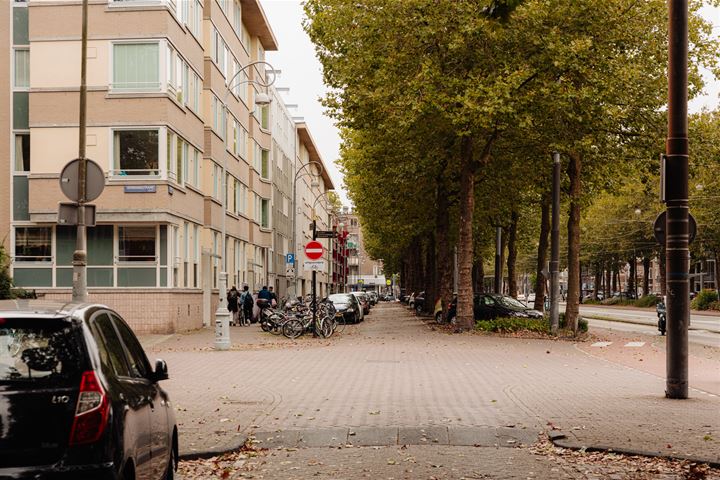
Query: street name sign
[[314, 250], [325, 234]]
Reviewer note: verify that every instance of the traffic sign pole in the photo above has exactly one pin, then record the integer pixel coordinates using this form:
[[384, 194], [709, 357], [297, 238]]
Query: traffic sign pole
[[79, 289]]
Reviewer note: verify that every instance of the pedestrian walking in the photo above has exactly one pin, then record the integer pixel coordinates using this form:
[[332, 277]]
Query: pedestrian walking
[[232, 298], [273, 298], [264, 294], [246, 301]]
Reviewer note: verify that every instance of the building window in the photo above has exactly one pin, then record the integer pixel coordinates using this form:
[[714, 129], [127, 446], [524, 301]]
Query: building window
[[217, 181], [136, 66], [265, 213], [245, 38], [22, 152], [33, 244], [136, 152], [136, 244], [22, 68]]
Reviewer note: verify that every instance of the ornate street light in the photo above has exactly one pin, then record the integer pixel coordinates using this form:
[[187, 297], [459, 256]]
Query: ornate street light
[[222, 315]]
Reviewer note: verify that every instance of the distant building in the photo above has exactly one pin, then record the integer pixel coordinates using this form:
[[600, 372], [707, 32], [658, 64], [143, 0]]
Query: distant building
[[363, 272]]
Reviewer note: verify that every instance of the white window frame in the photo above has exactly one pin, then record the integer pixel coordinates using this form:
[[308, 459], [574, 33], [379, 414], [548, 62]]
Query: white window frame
[[15, 87], [162, 153], [165, 56]]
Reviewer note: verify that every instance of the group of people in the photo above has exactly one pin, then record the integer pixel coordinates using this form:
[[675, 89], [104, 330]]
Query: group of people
[[241, 304]]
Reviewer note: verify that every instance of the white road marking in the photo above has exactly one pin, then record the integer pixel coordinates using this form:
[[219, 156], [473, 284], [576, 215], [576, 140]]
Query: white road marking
[[635, 344], [601, 344]]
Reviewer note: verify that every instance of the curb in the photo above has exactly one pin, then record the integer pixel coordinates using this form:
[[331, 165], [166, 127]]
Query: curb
[[213, 452], [560, 440]]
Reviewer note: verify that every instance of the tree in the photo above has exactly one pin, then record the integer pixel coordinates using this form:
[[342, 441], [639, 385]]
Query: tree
[[5, 279]]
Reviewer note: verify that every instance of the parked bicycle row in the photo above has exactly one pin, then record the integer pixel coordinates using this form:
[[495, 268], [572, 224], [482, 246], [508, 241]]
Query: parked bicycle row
[[294, 317]]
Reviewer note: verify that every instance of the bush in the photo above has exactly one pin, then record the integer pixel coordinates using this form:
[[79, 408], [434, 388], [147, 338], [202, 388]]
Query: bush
[[512, 325], [611, 301], [582, 323], [714, 306], [591, 301], [5, 279], [647, 301], [704, 299]]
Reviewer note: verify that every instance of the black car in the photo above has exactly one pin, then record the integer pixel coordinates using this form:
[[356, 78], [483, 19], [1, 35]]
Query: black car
[[487, 306], [78, 397], [418, 302], [347, 307]]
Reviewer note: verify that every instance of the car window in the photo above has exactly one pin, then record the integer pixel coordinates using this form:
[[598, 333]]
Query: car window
[[139, 365], [488, 301], [39, 352], [110, 348]]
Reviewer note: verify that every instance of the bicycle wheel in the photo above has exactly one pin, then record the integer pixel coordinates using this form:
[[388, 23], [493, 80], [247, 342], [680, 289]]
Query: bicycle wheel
[[276, 324], [326, 327], [293, 329]]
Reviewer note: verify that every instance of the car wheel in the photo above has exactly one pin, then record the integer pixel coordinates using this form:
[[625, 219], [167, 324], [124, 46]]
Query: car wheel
[[129, 472], [418, 309], [170, 472]]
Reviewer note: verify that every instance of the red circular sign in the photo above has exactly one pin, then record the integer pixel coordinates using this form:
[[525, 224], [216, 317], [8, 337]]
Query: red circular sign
[[314, 250]]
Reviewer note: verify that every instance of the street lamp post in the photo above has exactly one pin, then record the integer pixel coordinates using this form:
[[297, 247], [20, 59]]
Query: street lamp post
[[294, 214], [222, 315]]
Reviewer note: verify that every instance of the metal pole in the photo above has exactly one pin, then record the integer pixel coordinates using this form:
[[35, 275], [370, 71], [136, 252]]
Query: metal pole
[[79, 288], [555, 249], [314, 278], [498, 261], [676, 195], [222, 314]]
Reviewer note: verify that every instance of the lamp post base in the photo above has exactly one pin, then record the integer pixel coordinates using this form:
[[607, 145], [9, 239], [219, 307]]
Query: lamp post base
[[222, 317]]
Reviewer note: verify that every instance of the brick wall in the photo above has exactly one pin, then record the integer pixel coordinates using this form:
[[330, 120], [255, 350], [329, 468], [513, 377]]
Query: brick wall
[[148, 311]]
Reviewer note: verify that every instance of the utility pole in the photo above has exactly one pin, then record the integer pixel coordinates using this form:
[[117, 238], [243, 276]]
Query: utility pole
[[498, 260], [676, 197], [79, 261], [555, 249]]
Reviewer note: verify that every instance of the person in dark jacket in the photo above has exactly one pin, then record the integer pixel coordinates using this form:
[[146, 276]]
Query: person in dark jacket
[[232, 299], [273, 298], [264, 294], [246, 302]]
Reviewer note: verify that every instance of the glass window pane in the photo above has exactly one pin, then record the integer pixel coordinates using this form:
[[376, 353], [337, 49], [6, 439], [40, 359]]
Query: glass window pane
[[139, 365], [20, 111], [136, 244], [22, 69], [22, 152], [20, 26], [33, 244], [20, 199], [136, 66], [136, 152], [100, 245], [112, 354]]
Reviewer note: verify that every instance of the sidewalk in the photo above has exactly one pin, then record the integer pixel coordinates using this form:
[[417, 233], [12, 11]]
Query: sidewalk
[[392, 379]]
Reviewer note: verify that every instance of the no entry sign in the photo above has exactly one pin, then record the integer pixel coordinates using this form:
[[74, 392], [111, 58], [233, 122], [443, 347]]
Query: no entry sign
[[314, 250]]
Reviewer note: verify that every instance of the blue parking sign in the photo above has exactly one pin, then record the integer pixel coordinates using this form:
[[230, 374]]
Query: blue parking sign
[[290, 258]]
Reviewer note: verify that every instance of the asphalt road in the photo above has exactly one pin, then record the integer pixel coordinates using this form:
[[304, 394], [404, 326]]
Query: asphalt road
[[704, 330]]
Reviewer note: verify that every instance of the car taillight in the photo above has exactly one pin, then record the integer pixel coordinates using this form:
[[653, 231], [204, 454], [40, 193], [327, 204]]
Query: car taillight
[[91, 412]]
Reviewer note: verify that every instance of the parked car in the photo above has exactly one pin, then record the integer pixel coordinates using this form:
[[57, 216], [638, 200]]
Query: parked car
[[487, 306], [374, 297], [347, 307], [364, 302], [418, 302], [78, 397]]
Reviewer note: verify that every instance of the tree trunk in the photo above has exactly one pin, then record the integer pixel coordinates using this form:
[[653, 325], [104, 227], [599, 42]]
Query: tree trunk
[[479, 275], [444, 265], [572, 308], [598, 280], [608, 274], [543, 243], [716, 256], [512, 256], [631, 277], [646, 275], [503, 247], [465, 314], [430, 275]]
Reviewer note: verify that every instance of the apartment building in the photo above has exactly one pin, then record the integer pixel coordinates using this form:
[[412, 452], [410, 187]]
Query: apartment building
[[363, 273], [173, 121], [313, 183]]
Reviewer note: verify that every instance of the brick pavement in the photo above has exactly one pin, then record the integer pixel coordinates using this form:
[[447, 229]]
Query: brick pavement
[[395, 371]]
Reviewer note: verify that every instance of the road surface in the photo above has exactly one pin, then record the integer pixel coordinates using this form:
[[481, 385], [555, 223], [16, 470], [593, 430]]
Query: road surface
[[647, 317]]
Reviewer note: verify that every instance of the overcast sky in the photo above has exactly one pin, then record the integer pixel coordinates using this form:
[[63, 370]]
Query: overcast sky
[[301, 73]]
